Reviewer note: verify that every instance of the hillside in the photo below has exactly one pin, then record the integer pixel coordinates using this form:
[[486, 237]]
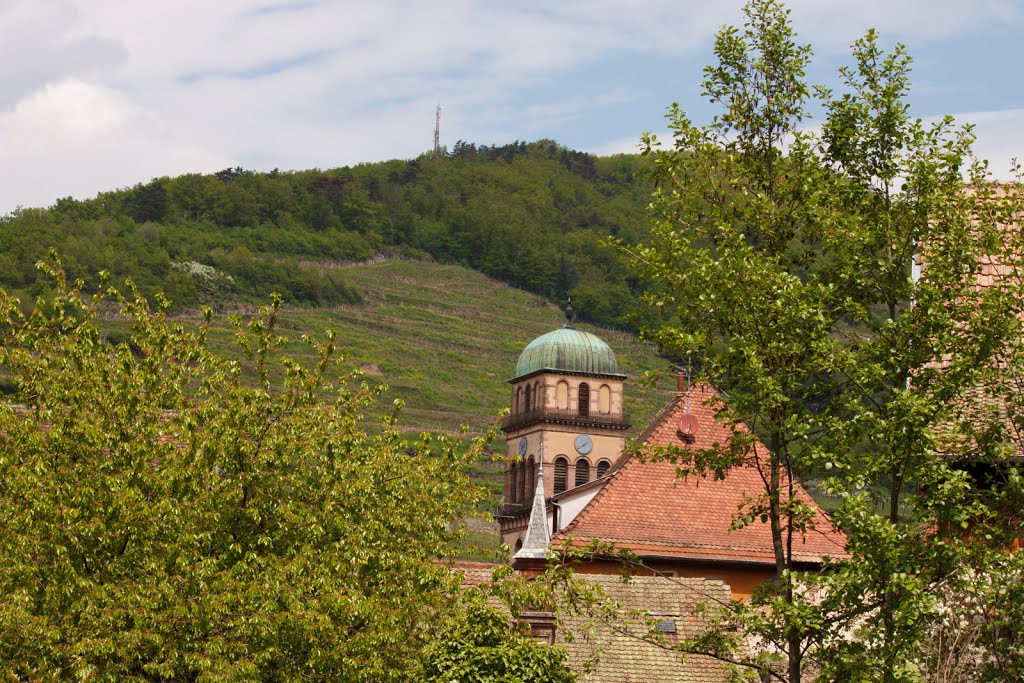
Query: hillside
[[530, 215], [444, 338]]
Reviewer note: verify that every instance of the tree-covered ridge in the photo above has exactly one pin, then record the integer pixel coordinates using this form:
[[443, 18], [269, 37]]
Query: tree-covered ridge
[[528, 214]]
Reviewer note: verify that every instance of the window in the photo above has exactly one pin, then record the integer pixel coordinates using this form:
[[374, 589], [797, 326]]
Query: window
[[604, 399], [529, 396], [582, 471], [584, 399], [519, 400], [602, 468], [561, 474], [522, 482], [531, 477], [513, 476]]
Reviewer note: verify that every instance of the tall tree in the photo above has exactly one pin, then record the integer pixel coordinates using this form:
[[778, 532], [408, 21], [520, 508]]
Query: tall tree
[[920, 345], [785, 260]]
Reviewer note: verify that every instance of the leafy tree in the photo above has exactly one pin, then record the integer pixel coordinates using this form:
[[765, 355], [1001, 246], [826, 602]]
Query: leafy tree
[[148, 203], [478, 646], [164, 519], [913, 367], [784, 260]]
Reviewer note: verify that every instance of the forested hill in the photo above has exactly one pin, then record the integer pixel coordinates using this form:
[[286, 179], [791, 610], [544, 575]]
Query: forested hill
[[528, 214]]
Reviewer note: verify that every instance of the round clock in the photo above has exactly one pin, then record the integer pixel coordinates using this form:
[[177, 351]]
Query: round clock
[[584, 444], [522, 446]]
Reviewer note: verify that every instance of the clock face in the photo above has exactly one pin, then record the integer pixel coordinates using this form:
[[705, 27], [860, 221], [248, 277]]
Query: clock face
[[522, 446], [584, 444]]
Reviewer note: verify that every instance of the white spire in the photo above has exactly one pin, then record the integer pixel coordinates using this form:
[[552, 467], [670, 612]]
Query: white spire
[[538, 534]]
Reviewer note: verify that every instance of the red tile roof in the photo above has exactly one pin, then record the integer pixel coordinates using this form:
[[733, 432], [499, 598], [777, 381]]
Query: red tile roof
[[610, 644], [645, 507], [616, 649]]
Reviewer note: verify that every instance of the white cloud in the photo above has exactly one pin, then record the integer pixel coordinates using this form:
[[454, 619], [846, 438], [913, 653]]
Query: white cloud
[[631, 144], [1000, 138], [195, 85], [38, 44], [73, 138]]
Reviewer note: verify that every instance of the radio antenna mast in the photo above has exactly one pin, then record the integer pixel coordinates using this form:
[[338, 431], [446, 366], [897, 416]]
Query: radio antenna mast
[[437, 130]]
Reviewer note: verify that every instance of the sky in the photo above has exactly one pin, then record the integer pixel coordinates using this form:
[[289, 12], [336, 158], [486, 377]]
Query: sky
[[97, 95]]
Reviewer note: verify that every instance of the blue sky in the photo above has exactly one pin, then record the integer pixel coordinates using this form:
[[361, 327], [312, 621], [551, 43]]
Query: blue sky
[[102, 94]]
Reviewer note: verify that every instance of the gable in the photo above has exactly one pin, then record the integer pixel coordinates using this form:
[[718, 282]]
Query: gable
[[646, 508]]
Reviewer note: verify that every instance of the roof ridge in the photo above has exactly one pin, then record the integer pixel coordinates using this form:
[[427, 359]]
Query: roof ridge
[[658, 419]]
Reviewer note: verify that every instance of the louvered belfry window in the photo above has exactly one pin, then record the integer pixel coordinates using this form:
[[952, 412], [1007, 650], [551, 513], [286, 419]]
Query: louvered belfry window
[[523, 493], [602, 468], [582, 472], [514, 477], [561, 474], [584, 400]]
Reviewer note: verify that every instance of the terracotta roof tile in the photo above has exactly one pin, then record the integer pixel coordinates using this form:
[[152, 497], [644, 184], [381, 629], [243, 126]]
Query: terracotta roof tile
[[612, 649], [645, 507], [615, 651], [474, 573]]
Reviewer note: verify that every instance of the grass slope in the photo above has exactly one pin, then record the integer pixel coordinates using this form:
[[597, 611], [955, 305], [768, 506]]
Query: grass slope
[[446, 339]]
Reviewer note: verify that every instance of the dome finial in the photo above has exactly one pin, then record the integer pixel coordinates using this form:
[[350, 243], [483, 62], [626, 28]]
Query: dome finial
[[570, 314]]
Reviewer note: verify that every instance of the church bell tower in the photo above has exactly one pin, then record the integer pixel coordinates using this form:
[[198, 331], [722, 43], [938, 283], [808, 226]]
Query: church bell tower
[[567, 411]]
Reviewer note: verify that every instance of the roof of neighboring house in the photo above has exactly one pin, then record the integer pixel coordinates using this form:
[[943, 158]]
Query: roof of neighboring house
[[610, 646], [648, 509], [474, 573], [615, 650]]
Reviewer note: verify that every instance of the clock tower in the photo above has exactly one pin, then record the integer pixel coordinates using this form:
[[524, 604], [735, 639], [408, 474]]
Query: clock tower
[[567, 411]]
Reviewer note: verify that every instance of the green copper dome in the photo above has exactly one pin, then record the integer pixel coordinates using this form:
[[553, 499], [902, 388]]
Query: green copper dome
[[567, 350]]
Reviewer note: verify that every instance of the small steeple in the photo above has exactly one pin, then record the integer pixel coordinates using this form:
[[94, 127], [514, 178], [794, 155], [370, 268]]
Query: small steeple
[[538, 535], [570, 314]]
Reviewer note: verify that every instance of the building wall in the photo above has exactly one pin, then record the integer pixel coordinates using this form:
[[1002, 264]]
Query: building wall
[[562, 391], [572, 504], [742, 580]]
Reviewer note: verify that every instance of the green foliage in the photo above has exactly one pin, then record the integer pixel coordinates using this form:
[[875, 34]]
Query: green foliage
[[529, 215], [479, 647], [444, 338], [784, 262], [166, 518]]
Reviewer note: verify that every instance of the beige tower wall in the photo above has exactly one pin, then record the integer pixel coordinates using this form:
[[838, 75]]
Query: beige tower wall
[[559, 391]]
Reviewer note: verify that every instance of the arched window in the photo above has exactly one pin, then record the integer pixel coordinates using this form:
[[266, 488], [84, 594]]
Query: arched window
[[531, 477], [584, 399], [602, 468], [538, 397], [604, 399], [562, 394], [519, 400], [582, 471], [519, 545], [561, 474], [513, 476], [522, 482], [529, 401]]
